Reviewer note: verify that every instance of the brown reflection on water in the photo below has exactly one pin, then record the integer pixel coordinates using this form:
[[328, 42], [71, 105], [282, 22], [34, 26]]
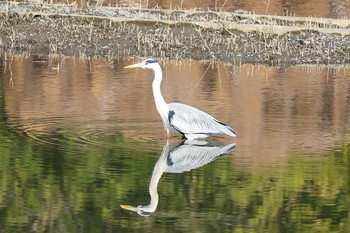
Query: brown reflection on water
[[297, 109], [274, 111]]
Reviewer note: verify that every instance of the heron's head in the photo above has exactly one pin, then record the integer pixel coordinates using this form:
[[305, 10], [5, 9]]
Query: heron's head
[[146, 64]]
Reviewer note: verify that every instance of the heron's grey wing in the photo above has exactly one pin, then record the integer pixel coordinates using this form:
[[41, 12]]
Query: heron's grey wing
[[189, 120]]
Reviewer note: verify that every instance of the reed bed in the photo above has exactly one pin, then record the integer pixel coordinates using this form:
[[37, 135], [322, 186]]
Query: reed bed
[[116, 32]]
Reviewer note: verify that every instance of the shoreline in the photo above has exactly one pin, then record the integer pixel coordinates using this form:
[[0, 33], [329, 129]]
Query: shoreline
[[115, 32]]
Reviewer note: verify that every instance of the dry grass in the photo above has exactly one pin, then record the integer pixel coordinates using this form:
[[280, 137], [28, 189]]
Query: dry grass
[[178, 34]]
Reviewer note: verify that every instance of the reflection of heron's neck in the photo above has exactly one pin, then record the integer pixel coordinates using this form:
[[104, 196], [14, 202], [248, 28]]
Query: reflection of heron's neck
[[158, 97], [158, 171]]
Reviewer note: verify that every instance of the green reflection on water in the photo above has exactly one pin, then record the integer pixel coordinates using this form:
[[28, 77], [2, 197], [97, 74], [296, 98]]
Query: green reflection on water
[[74, 188]]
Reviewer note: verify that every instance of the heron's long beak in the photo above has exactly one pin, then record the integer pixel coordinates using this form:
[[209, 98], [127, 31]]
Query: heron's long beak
[[133, 66], [129, 207]]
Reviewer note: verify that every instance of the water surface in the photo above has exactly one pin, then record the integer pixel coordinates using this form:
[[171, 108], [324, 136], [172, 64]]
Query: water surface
[[80, 139]]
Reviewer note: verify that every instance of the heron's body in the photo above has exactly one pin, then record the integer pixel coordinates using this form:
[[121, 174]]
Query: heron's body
[[183, 119], [193, 123]]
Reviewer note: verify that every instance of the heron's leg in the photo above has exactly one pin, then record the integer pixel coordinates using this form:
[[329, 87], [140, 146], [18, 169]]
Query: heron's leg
[[168, 133]]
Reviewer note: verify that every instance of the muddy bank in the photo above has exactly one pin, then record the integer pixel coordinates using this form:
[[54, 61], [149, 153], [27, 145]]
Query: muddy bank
[[124, 32]]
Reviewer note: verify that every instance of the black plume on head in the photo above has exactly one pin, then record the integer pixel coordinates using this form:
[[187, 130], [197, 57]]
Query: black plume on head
[[151, 60]]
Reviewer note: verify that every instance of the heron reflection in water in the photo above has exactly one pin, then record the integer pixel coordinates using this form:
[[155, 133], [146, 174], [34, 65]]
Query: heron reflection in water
[[181, 157]]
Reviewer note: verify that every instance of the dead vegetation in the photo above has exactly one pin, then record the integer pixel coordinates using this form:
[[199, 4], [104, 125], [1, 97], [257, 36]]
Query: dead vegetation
[[125, 32]]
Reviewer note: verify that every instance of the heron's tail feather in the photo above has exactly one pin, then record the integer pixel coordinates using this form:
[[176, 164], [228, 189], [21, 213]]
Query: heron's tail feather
[[227, 129]]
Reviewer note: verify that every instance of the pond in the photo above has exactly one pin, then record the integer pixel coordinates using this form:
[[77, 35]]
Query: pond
[[82, 145]]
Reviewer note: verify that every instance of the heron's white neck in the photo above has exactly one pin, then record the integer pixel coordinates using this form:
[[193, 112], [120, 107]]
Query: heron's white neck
[[161, 105]]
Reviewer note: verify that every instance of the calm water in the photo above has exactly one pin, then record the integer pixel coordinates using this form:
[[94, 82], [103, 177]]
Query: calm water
[[78, 142]]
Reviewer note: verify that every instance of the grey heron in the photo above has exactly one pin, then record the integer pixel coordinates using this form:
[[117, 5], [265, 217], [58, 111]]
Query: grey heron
[[183, 119], [181, 157]]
